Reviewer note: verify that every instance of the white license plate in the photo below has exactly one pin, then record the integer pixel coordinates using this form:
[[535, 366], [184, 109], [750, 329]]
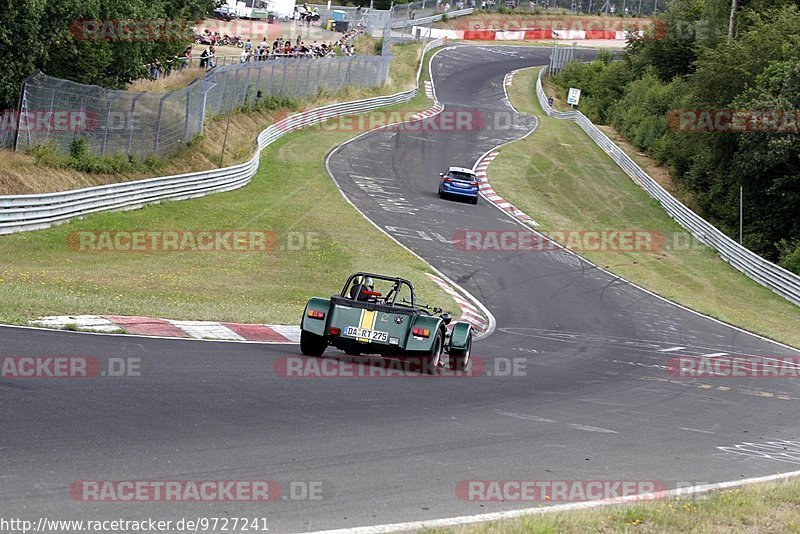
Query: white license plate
[[372, 335]]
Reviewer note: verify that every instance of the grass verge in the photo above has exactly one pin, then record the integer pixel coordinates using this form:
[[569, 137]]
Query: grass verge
[[291, 196], [757, 508], [566, 182]]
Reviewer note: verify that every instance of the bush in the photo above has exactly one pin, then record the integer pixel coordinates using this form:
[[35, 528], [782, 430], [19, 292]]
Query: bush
[[790, 256], [642, 113], [79, 147]]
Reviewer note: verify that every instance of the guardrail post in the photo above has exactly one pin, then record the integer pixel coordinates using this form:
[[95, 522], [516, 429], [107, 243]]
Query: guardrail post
[[257, 88], [187, 115], [105, 130], [158, 123]]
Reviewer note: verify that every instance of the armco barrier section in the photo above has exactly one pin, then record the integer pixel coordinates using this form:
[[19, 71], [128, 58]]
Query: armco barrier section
[[766, 273], [30, 212]]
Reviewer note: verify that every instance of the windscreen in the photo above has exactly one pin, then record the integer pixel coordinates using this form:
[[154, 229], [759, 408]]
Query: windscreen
[[463, 176]]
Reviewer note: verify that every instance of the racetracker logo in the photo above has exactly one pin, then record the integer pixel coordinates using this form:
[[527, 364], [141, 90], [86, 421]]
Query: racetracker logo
[[64, 120], [558, 490], [22, 367], [409, 367], [549, 24], [734, 367], [129, 30], [175, 490], [735, 120], [462, 120], [191, 241], [556, 240]]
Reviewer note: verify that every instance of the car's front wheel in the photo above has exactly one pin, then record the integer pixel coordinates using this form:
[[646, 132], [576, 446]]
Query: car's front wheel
[[311, 344]]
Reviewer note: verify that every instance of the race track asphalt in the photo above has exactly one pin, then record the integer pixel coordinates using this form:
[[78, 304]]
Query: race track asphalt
[[590, 398]]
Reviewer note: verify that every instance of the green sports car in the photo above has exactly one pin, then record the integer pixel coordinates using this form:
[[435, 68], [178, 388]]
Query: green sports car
[[376, 314]]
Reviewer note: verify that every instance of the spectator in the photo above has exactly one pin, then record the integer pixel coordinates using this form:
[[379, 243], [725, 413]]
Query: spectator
[[297, 43], [186, 57], [248, 45], [154, 67], [207, 58], [244, 57]]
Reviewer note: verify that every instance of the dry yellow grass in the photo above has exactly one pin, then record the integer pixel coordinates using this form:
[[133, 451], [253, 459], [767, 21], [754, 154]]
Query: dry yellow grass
[[165, 84]]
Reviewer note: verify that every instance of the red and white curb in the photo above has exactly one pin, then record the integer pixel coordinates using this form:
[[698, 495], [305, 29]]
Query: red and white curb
[[429, 90], [149, 326], [430, 112], [494, 198], [469, 312]]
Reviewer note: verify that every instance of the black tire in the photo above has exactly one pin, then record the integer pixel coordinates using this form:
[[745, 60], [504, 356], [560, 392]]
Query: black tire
[[475, 200], [240, 44], [312, 344], [430, 361], [459, 358]]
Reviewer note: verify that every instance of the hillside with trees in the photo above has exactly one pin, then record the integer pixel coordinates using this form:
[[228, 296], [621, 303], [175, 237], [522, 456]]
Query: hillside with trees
[[719, 105]]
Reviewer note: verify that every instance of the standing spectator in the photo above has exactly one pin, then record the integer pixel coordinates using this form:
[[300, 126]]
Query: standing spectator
[[186, 57], [297, 42], [613, 9], [154, 67], [413, 14], [207, 58], [248, 45]]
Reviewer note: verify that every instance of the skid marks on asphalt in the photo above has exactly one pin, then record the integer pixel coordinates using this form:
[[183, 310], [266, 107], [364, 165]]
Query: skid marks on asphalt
[[539, 419]]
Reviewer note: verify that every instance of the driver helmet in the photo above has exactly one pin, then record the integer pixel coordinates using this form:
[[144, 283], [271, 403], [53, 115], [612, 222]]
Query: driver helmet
[[367, 281]]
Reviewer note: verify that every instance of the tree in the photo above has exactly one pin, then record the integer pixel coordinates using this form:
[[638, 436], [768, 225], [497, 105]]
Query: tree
[[50, 36]]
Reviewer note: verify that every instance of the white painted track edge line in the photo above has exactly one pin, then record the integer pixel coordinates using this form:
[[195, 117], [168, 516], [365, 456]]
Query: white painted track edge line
[[513, 514]]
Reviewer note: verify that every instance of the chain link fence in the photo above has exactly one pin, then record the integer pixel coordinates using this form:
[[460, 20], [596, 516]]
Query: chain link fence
[[56, 112]]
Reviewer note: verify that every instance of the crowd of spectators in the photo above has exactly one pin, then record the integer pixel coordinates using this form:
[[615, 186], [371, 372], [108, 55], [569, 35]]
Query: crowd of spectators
[[279, 48]]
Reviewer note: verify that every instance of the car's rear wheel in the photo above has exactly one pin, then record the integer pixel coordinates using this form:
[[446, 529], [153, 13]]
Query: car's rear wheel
[[475, 200], [311, 344], [459, 358], [431, 360]]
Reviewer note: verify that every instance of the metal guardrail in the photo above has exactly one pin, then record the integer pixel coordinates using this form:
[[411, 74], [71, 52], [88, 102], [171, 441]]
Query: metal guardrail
[[766, 273], [31, 212]]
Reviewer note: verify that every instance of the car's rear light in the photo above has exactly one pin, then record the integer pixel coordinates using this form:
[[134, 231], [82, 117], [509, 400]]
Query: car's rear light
[[474, 184], [315, 314], [448, 180], [421, 332], [335, 331]]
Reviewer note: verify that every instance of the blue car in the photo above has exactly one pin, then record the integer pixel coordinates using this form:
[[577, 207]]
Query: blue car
[[459, 182]]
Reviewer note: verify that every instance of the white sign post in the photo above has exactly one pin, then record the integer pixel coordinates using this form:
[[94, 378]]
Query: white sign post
[[574, 96]]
